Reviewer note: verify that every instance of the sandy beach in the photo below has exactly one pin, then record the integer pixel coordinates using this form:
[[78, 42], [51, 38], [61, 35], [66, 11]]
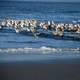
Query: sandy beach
[[25, 70]]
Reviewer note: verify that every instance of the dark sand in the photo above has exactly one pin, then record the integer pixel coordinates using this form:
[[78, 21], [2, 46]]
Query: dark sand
[[59, 70]]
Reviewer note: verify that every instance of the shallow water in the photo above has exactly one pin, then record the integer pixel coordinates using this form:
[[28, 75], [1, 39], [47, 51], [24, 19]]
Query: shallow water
[[11, 39], [11, 42]]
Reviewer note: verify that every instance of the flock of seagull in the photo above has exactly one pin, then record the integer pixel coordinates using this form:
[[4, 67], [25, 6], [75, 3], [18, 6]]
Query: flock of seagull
[[34, 26]]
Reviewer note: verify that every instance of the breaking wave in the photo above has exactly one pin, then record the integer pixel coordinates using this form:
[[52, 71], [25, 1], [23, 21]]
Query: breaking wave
[[42, 49]]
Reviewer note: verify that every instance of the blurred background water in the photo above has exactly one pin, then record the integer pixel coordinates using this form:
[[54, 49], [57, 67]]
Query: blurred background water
[[43, 11]]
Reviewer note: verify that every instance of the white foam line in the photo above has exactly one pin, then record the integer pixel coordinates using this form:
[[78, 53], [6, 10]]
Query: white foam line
[[42, 49]]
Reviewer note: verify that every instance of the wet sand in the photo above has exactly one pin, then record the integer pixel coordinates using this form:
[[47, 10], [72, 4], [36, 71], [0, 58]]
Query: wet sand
[[25, 70]]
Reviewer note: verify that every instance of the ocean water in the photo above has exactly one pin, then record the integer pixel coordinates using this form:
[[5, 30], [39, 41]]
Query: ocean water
[[58, 12], [12, 42]]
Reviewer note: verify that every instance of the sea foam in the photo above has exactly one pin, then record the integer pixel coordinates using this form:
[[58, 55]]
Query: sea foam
[[42, 49]]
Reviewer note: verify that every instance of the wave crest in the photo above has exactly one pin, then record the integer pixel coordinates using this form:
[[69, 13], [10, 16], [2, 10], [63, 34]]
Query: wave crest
[[42, 49]]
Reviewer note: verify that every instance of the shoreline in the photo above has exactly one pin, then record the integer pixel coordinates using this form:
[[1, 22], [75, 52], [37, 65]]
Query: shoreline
[[59, 70]]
